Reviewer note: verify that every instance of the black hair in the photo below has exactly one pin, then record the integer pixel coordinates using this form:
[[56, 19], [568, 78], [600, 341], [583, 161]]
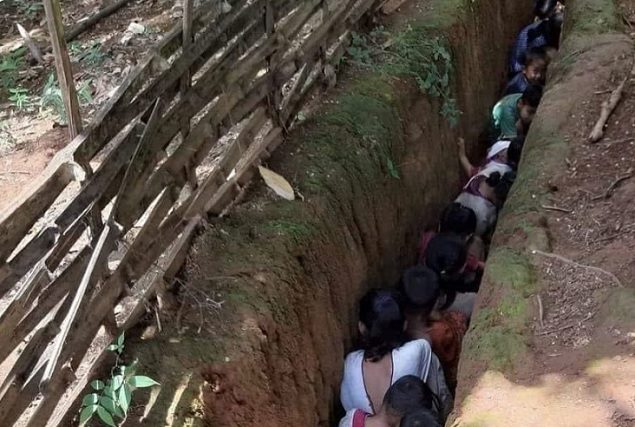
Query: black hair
[[554, 28], [532, 95], [457, 219], [408, 394], [446, 254], [534, 54], [420, 288], [381, 312], [502, 189], [420, 418], [514, 151], [544, 8]]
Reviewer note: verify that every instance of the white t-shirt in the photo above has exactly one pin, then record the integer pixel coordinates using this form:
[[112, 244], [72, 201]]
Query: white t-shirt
[[412, 358]]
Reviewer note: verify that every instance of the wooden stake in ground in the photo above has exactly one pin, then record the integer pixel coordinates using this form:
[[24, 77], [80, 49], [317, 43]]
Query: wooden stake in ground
[[63, 66]]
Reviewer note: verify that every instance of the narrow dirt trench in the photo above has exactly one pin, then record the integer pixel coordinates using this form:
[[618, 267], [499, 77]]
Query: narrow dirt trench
[[554, 340], [550, 336], [289, 275]]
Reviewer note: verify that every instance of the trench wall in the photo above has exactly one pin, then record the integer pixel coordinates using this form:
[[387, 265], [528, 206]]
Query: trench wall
[[290, 273], [593, 52]]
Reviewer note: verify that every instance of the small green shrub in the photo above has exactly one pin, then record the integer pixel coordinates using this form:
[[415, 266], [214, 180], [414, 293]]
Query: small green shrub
[[52, 100], [31, 9], [111, 399], [410, 53], [19, 97]]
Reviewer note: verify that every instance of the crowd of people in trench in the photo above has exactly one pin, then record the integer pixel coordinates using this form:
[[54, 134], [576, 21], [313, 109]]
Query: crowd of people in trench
[[404, 372]]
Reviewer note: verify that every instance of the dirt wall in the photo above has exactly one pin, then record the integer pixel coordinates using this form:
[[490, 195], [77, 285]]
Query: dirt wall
[[374, 166]]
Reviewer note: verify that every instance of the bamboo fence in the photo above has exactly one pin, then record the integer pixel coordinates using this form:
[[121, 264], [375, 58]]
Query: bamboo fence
[[107, 225]]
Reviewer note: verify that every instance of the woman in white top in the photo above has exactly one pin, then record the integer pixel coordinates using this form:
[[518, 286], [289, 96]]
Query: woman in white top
[[385, 356]]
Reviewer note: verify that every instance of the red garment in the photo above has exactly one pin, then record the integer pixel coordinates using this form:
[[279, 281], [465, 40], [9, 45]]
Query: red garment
[[359, 418], [446, 335]]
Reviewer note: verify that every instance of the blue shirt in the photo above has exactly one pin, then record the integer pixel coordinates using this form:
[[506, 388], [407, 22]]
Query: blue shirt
[[523, 44], [517, 85]]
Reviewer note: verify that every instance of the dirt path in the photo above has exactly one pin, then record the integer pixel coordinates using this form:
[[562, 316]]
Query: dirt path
[[579, 370]]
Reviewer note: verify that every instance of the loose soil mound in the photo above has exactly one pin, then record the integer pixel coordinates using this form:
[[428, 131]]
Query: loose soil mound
[[289, 274]]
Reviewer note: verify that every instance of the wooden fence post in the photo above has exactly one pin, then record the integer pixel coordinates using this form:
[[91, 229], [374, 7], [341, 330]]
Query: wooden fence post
[[63, 66], [186, 79]]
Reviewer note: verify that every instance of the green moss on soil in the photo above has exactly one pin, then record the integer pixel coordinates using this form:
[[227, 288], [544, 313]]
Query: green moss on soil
[[592, 17], [620, 306], [498, 334]]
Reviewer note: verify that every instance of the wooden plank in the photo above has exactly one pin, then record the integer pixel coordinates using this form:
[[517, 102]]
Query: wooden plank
[[96, 186], [145, 158], [16, 398], [46, 301], [167, 266], [146, 236], [24, 261], [231, 188], [186, 78], [99, 254], [63, 66], [15, 223]]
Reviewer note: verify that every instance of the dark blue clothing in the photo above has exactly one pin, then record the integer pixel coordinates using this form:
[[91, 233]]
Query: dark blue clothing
[[533, 35], [517, 85]]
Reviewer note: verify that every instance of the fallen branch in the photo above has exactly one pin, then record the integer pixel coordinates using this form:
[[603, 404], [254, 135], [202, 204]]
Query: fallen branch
[[556, 208], [577, 264], [92, 20], [609, 191], [607, 108], [541, 313]]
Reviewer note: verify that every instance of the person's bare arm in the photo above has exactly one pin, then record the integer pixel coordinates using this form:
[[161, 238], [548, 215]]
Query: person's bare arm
[[465, 162]]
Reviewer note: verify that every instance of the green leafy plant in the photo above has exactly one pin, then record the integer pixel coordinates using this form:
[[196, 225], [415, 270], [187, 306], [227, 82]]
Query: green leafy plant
[[10, 65], [52, 100], [20, 98], [410, 53], [29, 8], [110, 400], [91, 55]]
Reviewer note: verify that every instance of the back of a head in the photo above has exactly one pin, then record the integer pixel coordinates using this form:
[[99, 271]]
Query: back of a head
[[535, 54], [514, 151], [545, 8], [407, 394], [381, 312], [504, 185], [420, 418], [532, 95], [420, 288], [446, 254], [457, 219]]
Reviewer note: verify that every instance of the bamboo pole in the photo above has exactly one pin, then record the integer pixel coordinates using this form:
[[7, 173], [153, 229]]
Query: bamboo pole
[[63, 66]]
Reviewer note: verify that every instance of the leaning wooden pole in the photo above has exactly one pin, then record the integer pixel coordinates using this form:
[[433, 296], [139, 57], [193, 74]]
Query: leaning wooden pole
[[63, 66]]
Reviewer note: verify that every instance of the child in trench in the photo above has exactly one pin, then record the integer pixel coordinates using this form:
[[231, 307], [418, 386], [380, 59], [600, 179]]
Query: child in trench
[[386, 355], [543, 33], [513, 114], [406, 395], [443, 329], [485, 194], [505, 153], [447, 256], [533, 72]]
